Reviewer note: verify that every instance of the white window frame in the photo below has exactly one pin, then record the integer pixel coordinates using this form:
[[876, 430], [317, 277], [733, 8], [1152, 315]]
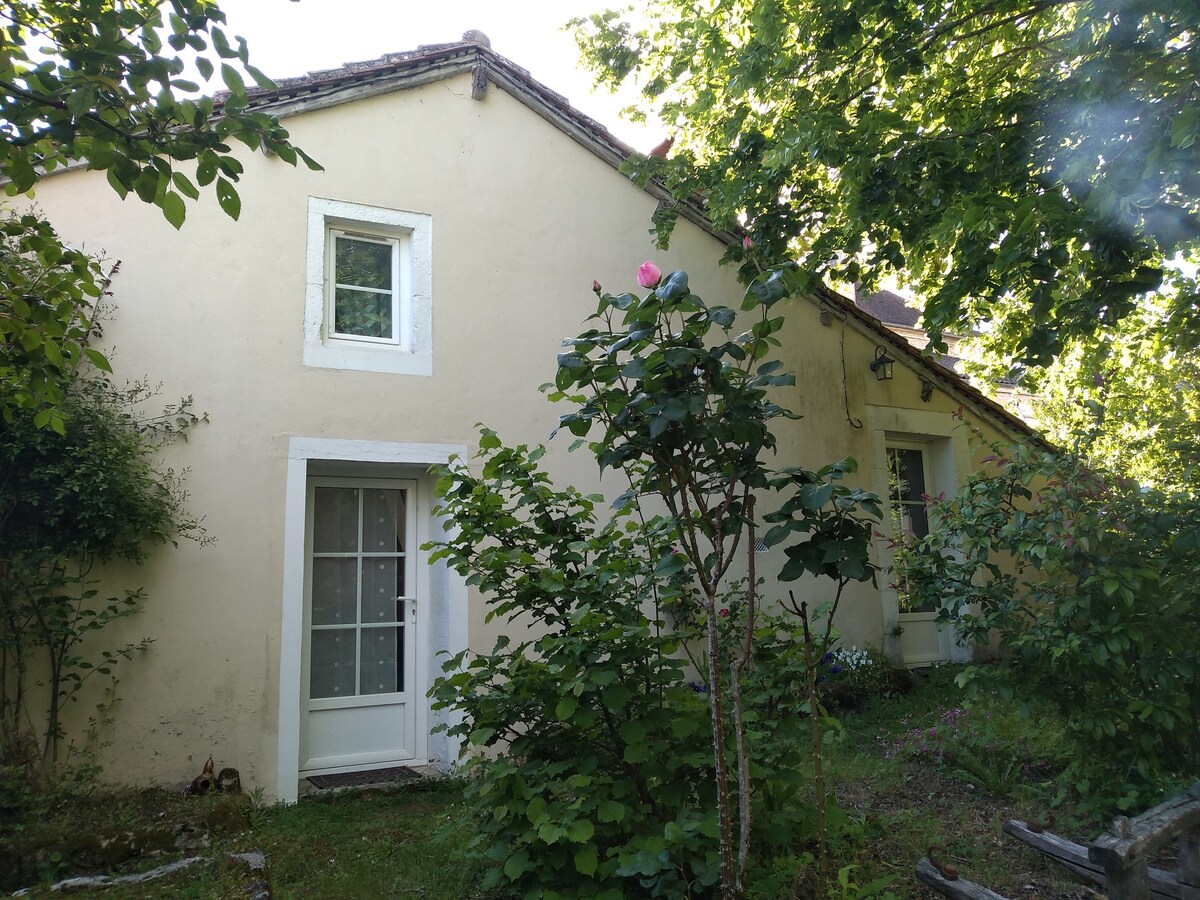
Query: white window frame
[[410, 349], [401, 313]]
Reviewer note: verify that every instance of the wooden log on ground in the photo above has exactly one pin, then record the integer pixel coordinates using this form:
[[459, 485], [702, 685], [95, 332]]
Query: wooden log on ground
[[1163, 885], [959, 889]]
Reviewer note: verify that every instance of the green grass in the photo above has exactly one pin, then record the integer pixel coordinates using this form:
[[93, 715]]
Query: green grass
[[353, 844], [902, 803], [382, 844]]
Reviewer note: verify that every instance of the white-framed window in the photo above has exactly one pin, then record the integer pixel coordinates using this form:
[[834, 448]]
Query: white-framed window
[[368, 303], [366, 288]]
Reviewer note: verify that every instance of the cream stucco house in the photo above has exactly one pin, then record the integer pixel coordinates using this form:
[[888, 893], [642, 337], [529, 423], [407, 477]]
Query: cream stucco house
[[350, 330]]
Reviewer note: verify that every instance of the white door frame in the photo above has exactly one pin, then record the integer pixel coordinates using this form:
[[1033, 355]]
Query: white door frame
[[442, 628], [411, 710], [922, 620], [949, 460]]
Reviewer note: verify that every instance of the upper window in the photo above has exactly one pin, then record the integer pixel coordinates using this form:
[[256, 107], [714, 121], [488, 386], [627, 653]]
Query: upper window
[[368, 293], [365, 288]]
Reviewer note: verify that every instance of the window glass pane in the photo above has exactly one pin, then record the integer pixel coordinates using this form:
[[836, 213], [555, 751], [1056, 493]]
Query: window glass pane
[[383, 521], [916, 519], [382, 666], [363, 263], [380, 589], [334, 591], [909, 469], [335, 520], [362, 313], [910, 520], [332, 670]]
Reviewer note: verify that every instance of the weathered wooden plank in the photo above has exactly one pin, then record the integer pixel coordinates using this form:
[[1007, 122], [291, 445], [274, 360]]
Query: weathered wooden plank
[[959, 889], [1133, 839], [1163, 885], [1189, 865], [1068, 853]]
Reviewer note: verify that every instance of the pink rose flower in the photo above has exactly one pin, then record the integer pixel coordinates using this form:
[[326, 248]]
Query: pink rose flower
[[649, 275], [723, 612], [747, 244]]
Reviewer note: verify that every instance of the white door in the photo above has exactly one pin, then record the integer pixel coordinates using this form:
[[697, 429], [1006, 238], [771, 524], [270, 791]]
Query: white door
[[361, 591], [922, 642]]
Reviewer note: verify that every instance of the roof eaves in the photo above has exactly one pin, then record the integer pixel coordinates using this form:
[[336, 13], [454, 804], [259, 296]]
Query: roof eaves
[[399, 71], [927, 367]]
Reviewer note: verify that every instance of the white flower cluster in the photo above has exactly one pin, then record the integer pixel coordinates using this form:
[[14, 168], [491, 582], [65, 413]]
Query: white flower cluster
[[851, 658]]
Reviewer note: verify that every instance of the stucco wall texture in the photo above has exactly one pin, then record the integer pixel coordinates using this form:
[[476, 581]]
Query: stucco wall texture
[[523, 219]]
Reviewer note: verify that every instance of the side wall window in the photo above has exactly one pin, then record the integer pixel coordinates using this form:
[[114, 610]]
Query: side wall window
[[908, 486], [368, 303]]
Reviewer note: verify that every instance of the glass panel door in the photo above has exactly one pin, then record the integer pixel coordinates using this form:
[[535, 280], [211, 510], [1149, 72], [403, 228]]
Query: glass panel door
[[361, 572]]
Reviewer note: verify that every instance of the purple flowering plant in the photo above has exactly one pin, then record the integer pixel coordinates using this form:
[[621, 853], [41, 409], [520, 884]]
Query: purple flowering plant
[[996, 751]]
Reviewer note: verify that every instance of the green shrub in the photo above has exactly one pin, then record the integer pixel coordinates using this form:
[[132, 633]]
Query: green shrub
[[605, 777], [591, 708], [71, 500], [1091, 585], [605, 782]]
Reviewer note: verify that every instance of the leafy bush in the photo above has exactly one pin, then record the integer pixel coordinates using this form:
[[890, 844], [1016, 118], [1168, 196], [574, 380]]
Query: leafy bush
[[603, 780], [1091, 585], [69, 501], [607, 781]]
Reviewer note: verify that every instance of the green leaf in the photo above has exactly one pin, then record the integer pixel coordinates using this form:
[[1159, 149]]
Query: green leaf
[[585, 860], [722, 315], [184, 185], [815, 496], [674, 287], [580, 830], [227, 196], [610, 811], [146, 184], [98, 359], [173, 208], [566, 708], [636, 753], [233, 79], [517, 865], [535, 812]]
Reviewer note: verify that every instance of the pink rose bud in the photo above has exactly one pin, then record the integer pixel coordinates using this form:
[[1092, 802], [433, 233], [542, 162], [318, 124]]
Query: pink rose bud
[[649, 275], [723, 612], [595, 286], [747, 244]]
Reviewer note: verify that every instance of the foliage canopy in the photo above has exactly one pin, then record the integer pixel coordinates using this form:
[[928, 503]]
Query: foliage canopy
[[1128, 403], [103, 84], [1026, 164]]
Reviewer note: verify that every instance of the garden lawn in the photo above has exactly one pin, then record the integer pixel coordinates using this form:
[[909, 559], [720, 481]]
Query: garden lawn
[[903, 790], [906, 789], [360, 844]]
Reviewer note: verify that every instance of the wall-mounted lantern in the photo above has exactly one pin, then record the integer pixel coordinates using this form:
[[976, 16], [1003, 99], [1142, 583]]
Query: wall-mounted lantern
[[883, 365]]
